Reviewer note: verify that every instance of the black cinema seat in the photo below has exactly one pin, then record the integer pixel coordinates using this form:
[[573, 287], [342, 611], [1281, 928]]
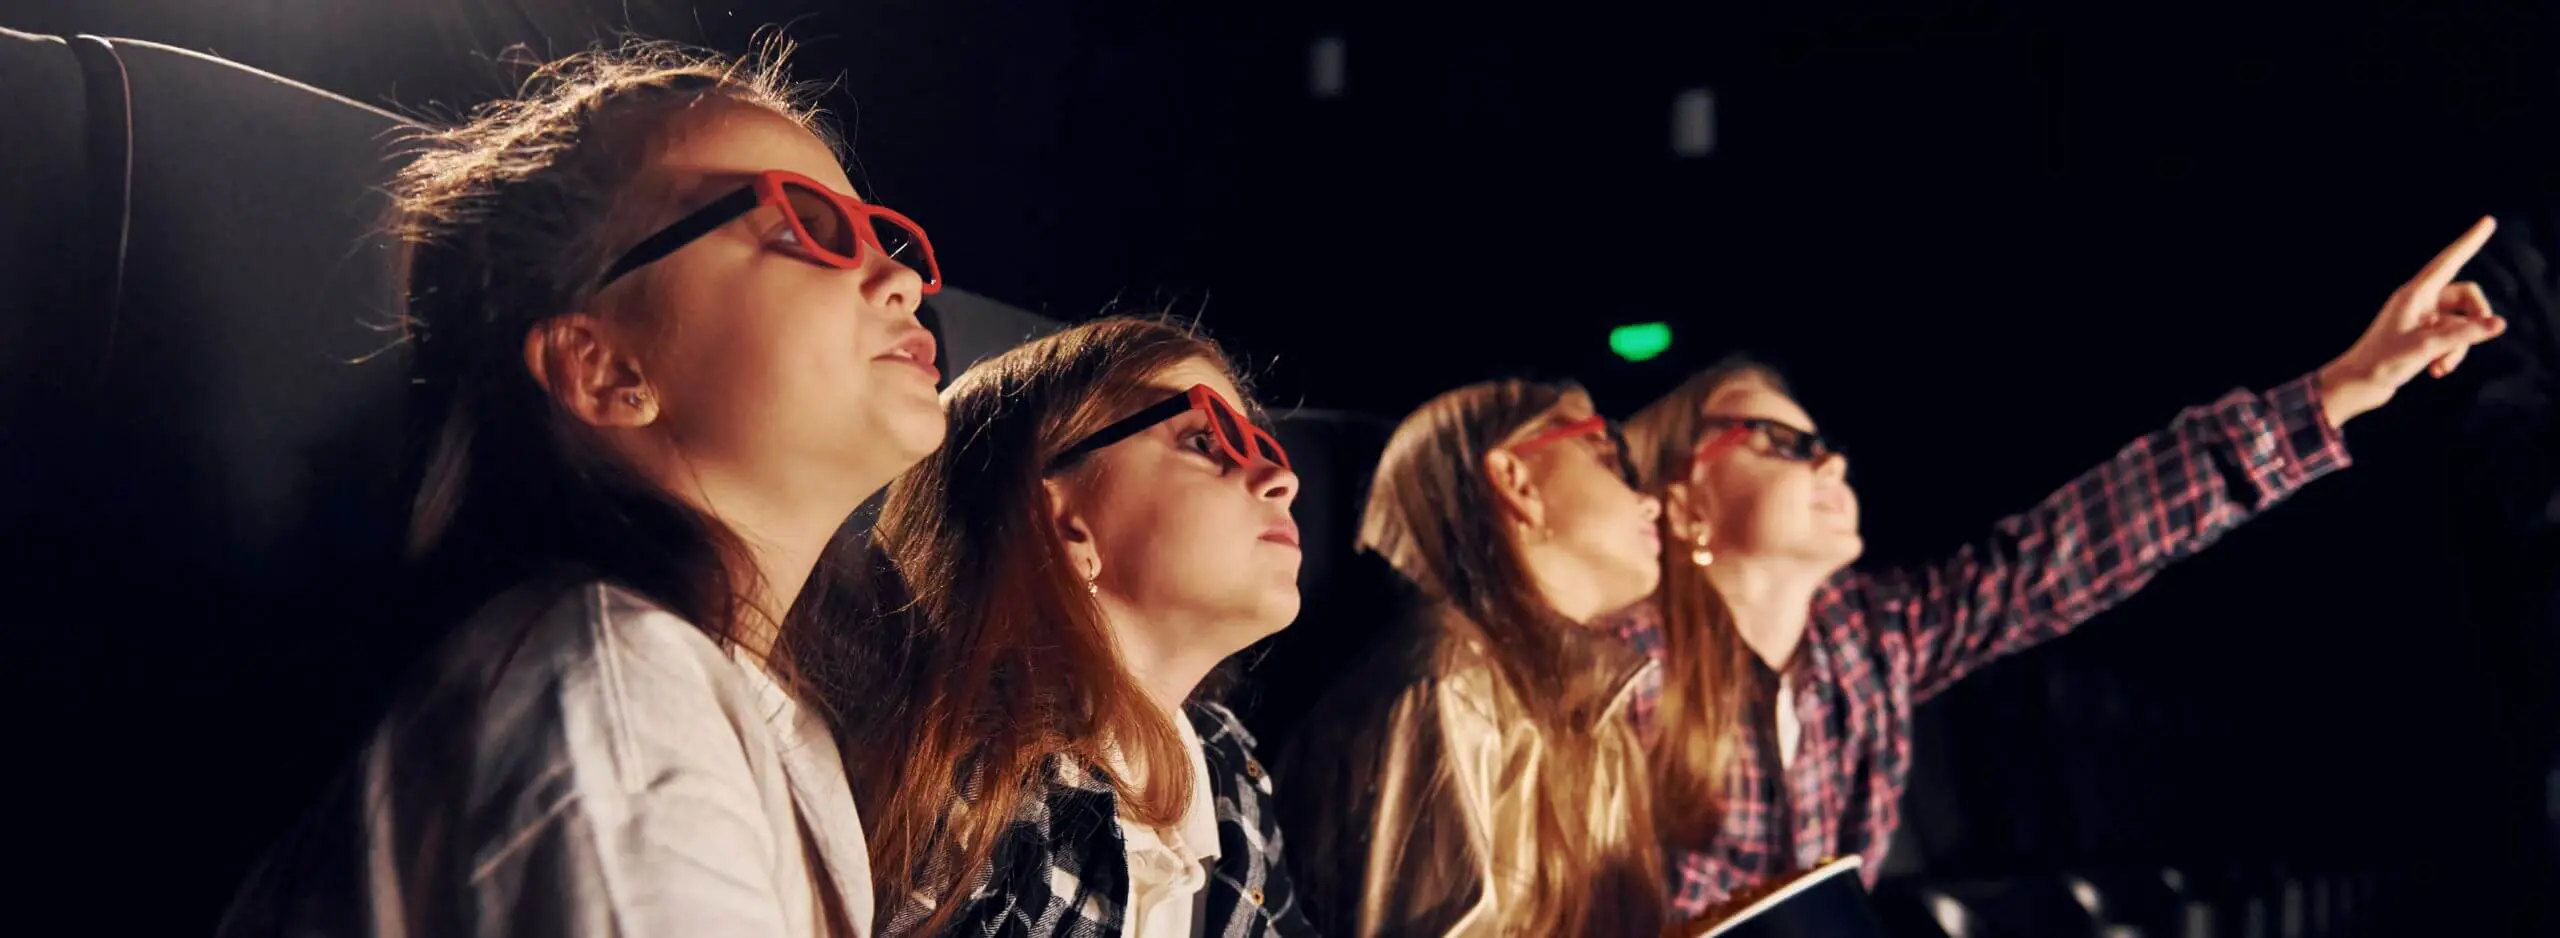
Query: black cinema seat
[[200, 436]]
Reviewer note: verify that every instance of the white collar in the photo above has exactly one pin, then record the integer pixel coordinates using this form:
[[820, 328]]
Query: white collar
[[1194, 837]]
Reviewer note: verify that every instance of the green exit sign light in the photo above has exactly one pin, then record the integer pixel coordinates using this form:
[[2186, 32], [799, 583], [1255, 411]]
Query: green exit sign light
[[1640, 342]]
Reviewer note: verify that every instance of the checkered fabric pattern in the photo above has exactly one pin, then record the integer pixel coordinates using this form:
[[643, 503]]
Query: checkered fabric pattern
[[1063, 869], [1882, 641]]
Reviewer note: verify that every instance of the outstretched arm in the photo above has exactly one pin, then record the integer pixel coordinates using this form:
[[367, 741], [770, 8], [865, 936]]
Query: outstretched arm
[[2165, 496]]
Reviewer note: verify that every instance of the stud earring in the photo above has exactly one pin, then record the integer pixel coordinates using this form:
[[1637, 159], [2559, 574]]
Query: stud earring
[[634, 398]]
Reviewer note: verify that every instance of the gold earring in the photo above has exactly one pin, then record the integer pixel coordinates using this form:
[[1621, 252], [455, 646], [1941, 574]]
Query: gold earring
[[1699, 554]]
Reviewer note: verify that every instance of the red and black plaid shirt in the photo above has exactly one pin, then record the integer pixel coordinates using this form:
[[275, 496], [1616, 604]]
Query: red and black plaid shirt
[[1882, 641]]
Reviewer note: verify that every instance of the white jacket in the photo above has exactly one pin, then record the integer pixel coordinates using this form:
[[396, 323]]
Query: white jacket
[[578, 762]]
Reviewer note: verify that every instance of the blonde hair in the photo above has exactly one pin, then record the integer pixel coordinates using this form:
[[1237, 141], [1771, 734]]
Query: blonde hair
[[1706, 666], [1434, 515]]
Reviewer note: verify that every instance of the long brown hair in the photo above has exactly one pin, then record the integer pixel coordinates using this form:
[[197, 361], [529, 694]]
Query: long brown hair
[[509, 219], [1435, 517], [1706, 666], [1002, 663]]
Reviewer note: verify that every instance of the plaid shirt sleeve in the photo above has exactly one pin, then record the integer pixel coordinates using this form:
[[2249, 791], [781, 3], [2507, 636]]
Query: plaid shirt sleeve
[[2095, 541]]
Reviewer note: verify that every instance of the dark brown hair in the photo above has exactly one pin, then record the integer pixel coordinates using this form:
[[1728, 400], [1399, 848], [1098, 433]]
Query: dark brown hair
[[509, 219], [1435, 516], [1706, 665], [1002, 663]]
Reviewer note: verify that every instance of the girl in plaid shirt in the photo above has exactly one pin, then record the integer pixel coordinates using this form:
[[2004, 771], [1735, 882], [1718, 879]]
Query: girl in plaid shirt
[[1105, 525], [1793, 678]]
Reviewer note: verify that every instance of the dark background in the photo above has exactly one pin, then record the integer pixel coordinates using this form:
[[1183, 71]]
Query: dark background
[[1991, 241]]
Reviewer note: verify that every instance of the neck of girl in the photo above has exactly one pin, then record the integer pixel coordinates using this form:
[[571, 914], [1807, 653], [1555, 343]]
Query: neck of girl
[[1772, 602], [782, 549], [772, 580], [1576, 599], [1167, 669]]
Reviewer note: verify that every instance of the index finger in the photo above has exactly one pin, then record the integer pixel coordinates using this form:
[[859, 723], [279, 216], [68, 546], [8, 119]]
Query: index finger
[[2441, 271]]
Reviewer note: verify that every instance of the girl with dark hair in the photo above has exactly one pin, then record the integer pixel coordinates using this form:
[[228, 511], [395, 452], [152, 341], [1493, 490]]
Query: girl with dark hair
[[673, 353], [1106, 525], [1478, 776], [1790, 679]]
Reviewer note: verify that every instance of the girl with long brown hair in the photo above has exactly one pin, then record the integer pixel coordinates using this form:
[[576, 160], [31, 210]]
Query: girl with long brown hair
[[1760, 601], [667, 354], [1106, 525], [1479, 775]]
